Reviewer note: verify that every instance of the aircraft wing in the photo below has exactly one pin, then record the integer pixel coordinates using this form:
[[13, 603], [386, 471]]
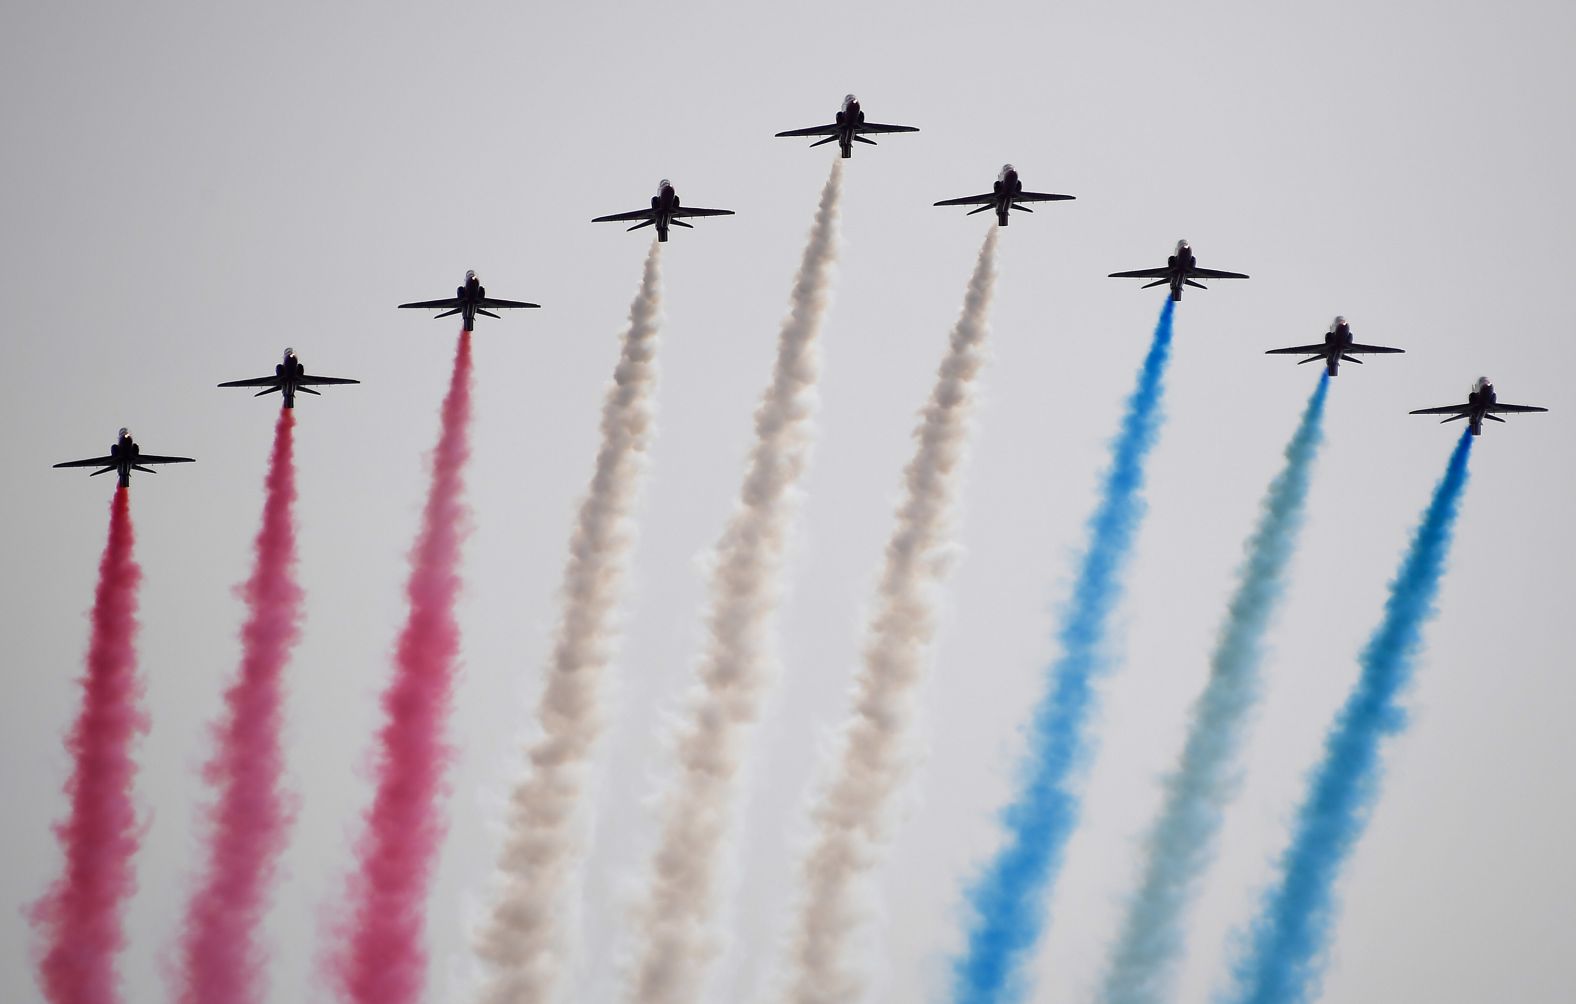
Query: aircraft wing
[[1354, 347], [93, 462], [488, 301], [1449, 409], [146, 458], [1299, 350], [1512, 409], [1212, 273], [1040, 197], [1143, 273], [969, 200], [267, 381], [633, 214], [317, 381], [826, 130], [878, 127], [444, 304], [687, 211]]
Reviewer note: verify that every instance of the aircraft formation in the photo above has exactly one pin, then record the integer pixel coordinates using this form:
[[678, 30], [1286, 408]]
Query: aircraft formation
[[1181, 270]]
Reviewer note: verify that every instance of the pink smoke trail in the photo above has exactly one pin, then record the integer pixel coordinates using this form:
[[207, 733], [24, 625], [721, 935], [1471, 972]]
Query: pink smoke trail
[[383, 960], [222, 961], [79, 919]]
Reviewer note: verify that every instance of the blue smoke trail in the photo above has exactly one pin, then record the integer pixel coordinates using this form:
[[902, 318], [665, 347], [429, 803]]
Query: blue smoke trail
[[1008, 900], [1181, 844], [1284, 963]]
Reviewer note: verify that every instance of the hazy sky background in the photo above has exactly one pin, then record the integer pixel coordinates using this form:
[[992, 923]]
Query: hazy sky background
[[187, 189]]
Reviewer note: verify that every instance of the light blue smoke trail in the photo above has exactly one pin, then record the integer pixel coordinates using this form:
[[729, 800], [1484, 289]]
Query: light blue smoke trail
[[1287, 944], [1008, 900], [1182, 842]]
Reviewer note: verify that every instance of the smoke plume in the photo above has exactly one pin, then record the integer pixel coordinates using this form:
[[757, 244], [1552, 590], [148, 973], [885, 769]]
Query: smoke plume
[[1288, 941], [523, 943], [383, 959], [675, 923], [222, 961], [850, 814], [1008, 900], [1181, 844], [79, 920]]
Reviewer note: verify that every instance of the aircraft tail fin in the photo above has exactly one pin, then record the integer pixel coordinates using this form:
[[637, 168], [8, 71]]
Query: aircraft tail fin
[[484, 313], [1493, 418], [681, 223], [1351, 359], [1311, 359], [987, 206], [105, 470], [637, 226], [1195, 285], [1457, 418], [830, 139], [450, 313], [308, 390], [145, 470], [1022, 209], [271, 390], [1157, 282], [863, 139]]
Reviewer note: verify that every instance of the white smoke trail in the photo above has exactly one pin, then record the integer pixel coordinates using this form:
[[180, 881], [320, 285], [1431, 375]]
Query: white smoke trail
[[851, 814], [523, 943], [676, 939]]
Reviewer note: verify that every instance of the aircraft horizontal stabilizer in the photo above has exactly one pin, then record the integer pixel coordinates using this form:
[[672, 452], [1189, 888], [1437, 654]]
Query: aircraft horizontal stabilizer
[[450, 313], [1157, 282]]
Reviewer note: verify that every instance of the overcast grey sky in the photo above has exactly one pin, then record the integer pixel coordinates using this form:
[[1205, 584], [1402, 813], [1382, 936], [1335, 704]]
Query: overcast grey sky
[[187, 189]]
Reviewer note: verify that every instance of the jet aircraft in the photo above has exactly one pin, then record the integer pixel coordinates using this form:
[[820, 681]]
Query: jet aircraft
[[1337, 345], [124, 457], [1482, 403], [850, 128], [665, 210], [1006, 196], [468, 300], [289, 377], [1180, 270]]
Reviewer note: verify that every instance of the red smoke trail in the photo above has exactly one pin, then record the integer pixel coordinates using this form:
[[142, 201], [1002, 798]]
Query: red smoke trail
[[384, 960], [222, 961], [80, 917]]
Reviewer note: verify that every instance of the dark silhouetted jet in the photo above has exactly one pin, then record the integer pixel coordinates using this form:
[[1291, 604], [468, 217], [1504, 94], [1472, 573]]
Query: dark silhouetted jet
[[1006, 196], [289, 377], [468, 301], [1337, 345], [850, 128], [1181, 269], [125, 456], [1481, 403], [665, 210]]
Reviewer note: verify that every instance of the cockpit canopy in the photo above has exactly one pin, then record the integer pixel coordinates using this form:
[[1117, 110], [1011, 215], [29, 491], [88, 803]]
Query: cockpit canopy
[[1006, 169], [125, 433], [663, 186], [289, 352], [1338, 322], [469, 275], [1182, 244], [849, 99], [1483, 383]]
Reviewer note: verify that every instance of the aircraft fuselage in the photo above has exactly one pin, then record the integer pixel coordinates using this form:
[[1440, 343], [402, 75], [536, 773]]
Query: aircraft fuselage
[[1336, 342], [1180, 262], [1008, 187], [125, 453], [664, 202], [848, 119]]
